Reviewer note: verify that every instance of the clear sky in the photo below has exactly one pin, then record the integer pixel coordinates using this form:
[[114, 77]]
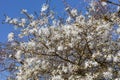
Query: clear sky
[[12, 8]]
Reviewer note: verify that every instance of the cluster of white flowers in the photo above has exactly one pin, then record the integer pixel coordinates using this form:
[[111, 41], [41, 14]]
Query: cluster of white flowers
[[58, 77], [33, 23], [31, 44], [108, 75], [80, 50], [90, 63]]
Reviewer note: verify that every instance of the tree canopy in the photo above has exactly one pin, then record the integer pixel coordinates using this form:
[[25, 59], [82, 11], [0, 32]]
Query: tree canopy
[[79, 47]]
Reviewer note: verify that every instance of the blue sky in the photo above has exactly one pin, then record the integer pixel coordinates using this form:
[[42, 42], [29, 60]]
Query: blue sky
[[12, 8]]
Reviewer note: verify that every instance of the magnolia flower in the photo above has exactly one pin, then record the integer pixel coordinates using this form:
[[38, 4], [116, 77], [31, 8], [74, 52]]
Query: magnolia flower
[[31, 16], [44, 31], [31, 44], [44, 7], [60, 48], [68, 19], [33, 30], [10, 36], [80, 19], [74, 12], [32, 60], [117, 79], [33, 23], [109, 58], [118, 53], [13, 44], [23, 11], [118, 30], [116, 59], [15, 20], [103, 3], [57, 77], [20, 35], [107, 75], [65, 69], [18, 54], [90, 64], [23, 20], [44, 64]]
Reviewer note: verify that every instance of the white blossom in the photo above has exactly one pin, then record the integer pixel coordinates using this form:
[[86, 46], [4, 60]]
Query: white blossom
[[29, 61], [80, 19], [57, 77], [11, 36], [65, 69], [103, 3], [109, 58], [31, 16], [74, 12], [90, 63], [15, 20], [77, 49], [33, 23], [118, 30], [60, 48], [44, 64], [13, 44], [107, 75], [31, 44], [68, 19], [44, 7], [18, 54], [20, 35], [117, 79], [116, 59], [23, 11], [23, 20], [33, 30], [118, 53]]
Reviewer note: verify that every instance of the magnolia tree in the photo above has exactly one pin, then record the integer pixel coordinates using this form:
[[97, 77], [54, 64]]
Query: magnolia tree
[[80, 48]]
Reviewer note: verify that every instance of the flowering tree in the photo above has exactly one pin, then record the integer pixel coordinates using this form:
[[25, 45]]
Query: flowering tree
[[80, 48]]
